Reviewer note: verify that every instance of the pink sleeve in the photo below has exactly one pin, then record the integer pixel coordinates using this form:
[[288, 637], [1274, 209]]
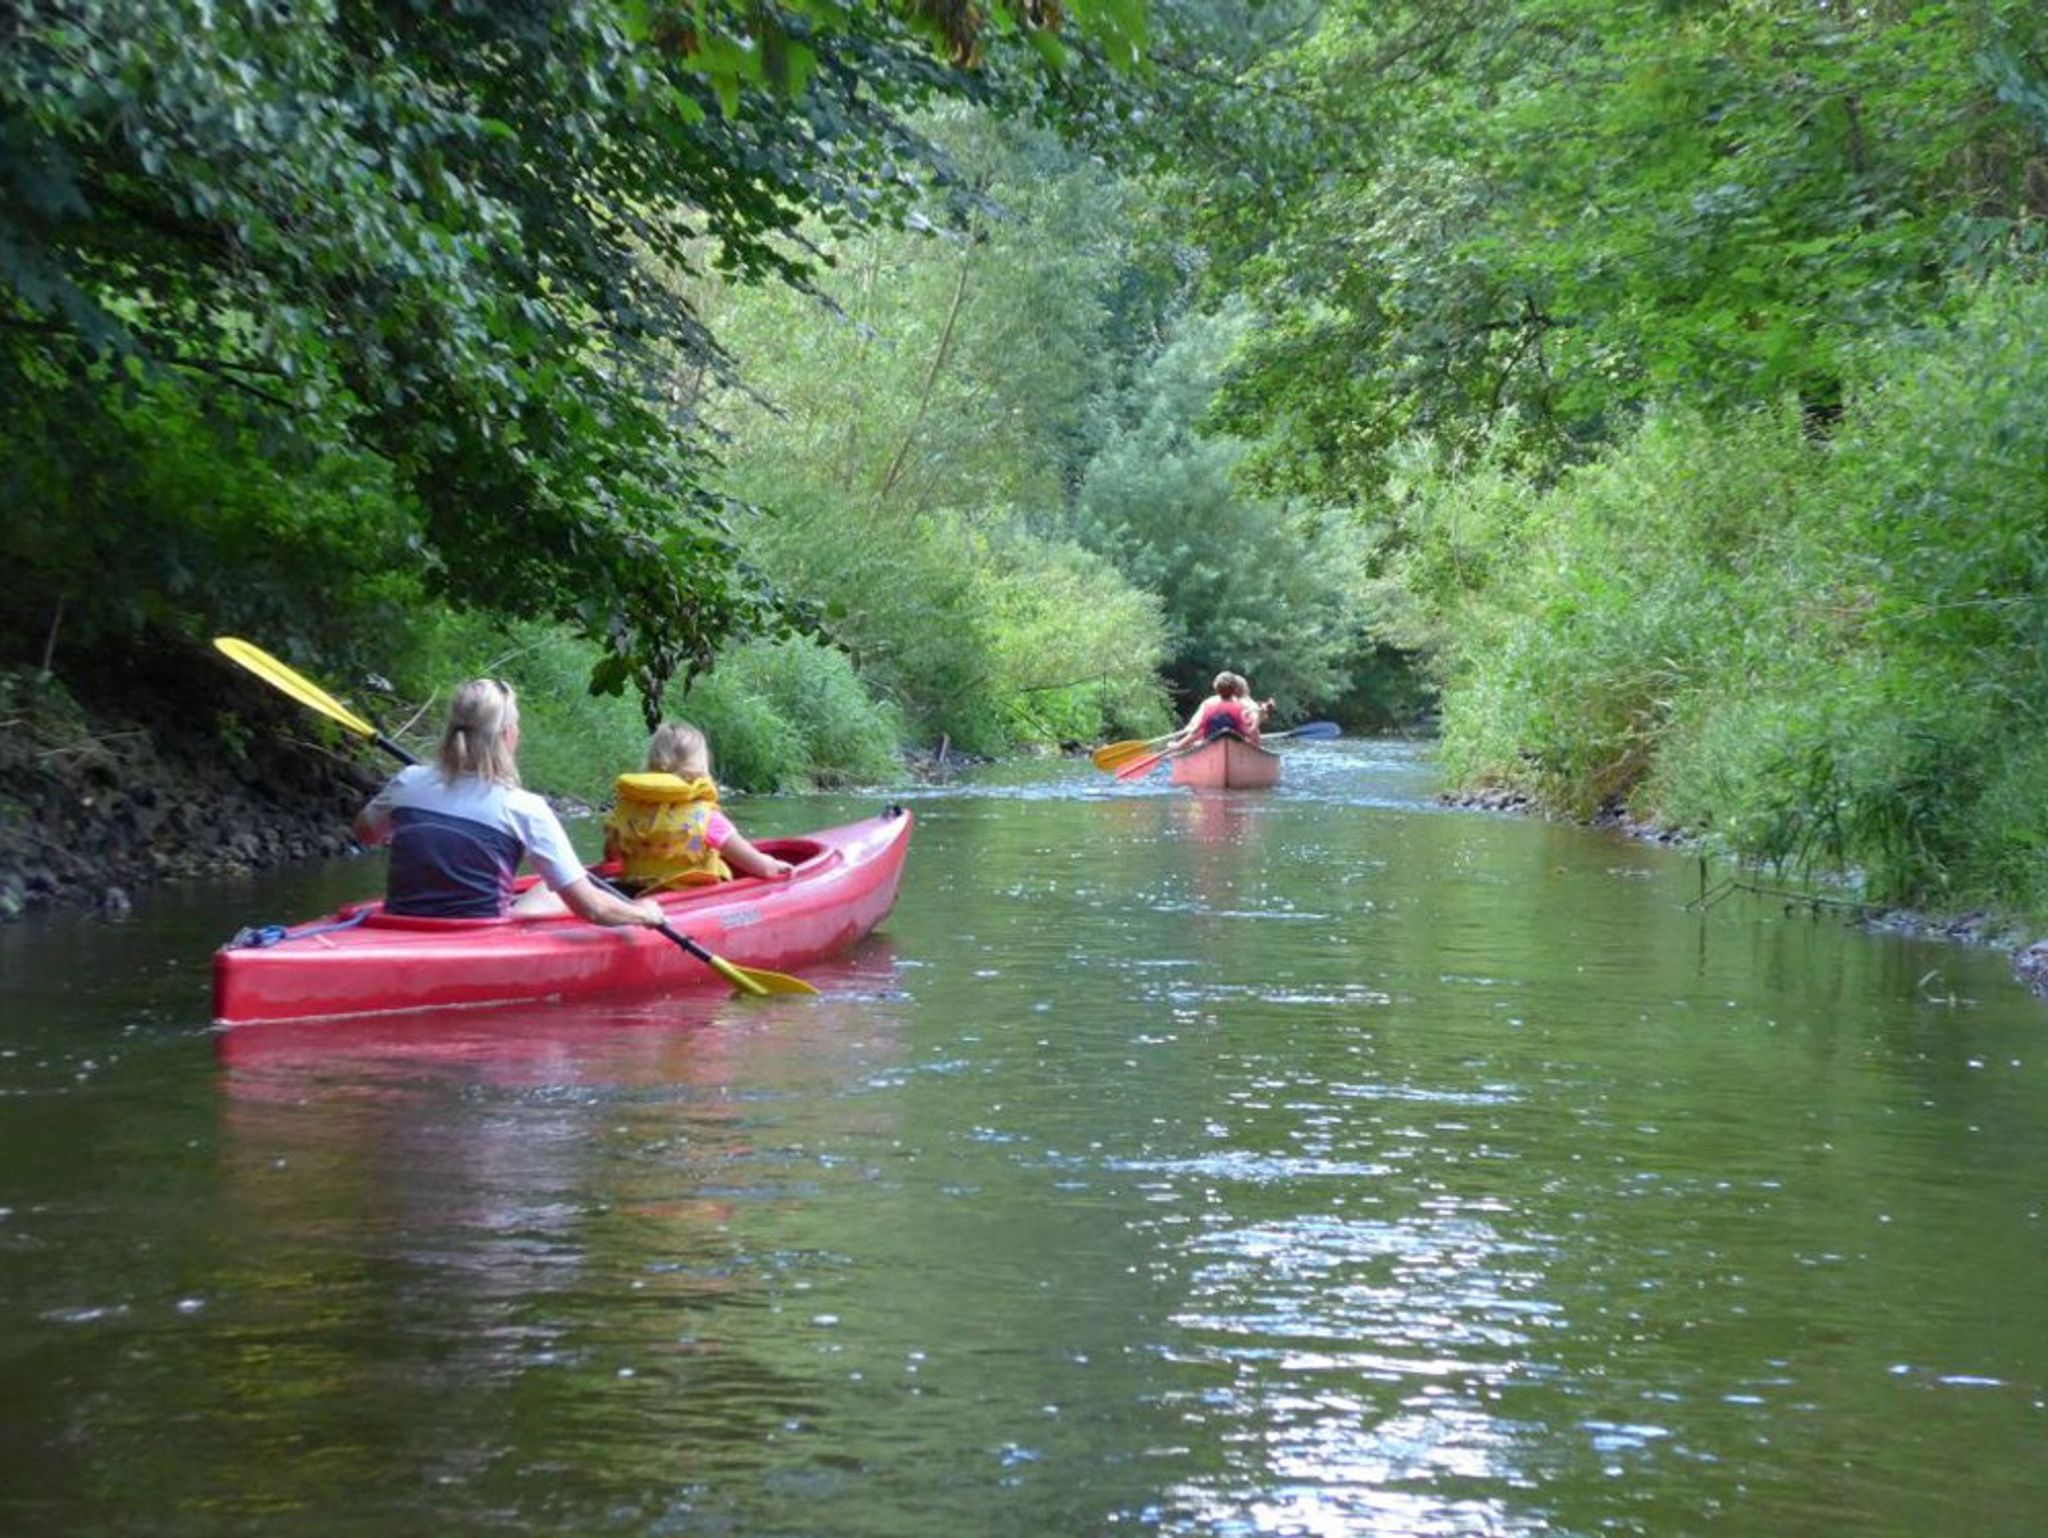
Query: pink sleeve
[[718, 828]]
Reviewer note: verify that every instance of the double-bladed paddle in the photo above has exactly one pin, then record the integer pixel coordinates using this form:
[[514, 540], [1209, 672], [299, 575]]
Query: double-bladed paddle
[[752, 980], [1114, 755], [1308, 731]]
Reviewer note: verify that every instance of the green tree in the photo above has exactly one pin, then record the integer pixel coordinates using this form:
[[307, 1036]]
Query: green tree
[[1565, 210], [438, 235], [1247, 583], [917, 424]]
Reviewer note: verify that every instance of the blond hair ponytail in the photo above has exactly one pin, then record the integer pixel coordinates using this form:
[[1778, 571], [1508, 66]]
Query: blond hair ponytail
[[678, 748], [481, 718]]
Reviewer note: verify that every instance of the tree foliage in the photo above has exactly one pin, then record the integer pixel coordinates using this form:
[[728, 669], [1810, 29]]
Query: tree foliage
[[1248, 584], [1566, 211], [918, 424], [438, 236], [1829, 653]]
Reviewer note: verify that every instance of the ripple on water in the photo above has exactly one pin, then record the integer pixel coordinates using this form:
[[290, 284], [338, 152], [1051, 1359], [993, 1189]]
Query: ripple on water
[[1337, 995], [1369, 1357], [1288, 1164]]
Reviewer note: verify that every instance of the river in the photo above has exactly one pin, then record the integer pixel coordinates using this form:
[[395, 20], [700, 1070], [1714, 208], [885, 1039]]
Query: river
[[1317, 1161]]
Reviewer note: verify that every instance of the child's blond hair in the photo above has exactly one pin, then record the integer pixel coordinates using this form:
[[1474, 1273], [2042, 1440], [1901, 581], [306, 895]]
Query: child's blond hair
[[1229, 686], [678, 748]]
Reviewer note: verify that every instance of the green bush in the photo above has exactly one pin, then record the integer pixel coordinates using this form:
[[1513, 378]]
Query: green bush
[[1831, 655], [779, 715], [1598, 608], [975, 630], [572, 742], [790, 715], [2005, 848]]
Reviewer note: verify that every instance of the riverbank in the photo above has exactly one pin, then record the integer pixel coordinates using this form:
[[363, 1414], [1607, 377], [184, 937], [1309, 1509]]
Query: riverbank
[[1978, 927], [117, 778], [169, 765]]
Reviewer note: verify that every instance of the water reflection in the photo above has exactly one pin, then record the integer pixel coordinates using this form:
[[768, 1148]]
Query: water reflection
[[1307, 1162], [574, 1209], [1214, 816], [1368, 1357]]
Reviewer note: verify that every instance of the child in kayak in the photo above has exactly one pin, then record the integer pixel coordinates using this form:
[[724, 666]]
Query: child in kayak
[[1230, 708], [667, 831], [458, 828]]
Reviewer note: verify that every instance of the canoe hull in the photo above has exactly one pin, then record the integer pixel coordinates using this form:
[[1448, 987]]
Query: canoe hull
[[844, 885], [1227, 763]]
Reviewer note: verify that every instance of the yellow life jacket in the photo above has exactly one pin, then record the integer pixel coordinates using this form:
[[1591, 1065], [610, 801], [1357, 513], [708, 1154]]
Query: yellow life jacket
[[661, 828]]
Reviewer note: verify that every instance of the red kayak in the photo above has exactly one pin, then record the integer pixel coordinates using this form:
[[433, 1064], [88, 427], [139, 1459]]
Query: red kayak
[[363, 961]]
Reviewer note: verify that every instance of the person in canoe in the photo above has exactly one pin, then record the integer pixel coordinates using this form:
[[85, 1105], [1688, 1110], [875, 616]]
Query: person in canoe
[[1229, 708], [459, 826], [667, 831]]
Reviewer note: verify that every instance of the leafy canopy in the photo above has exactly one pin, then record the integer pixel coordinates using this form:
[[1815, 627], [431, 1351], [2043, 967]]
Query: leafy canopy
[[439, 234], [1562, 210]]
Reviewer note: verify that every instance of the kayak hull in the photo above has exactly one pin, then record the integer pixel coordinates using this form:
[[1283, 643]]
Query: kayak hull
[[1227, 763], [362, 961]]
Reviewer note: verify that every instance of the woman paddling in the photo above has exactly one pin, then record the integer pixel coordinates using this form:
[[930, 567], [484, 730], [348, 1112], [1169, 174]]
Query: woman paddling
[[459, 826], [1230, 708]]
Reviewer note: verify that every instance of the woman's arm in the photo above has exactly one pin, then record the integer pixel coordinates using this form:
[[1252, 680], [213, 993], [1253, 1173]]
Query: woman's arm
[[587, 900], [746, 860], [373, 823]]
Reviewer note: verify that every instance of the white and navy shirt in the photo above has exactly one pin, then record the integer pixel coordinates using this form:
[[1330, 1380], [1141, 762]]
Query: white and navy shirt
[[456, 846]]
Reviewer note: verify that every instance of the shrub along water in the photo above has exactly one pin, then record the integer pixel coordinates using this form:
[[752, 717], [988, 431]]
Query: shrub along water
[[785, 715], [1828, 653]]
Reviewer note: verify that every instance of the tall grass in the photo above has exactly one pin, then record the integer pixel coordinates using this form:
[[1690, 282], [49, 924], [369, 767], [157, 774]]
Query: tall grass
[[792, 715], [1827, 653], [779, 715]]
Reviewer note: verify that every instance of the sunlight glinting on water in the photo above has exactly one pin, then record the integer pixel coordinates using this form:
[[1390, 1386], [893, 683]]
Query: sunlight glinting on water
[[1317, 1162], [1366, 1354]]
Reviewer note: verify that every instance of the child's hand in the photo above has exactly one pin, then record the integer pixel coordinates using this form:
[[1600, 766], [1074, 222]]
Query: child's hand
[[650, 912], [780, 870]]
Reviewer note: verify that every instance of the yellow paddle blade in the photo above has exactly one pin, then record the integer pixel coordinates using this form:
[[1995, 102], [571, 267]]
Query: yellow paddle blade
[[747, 979], [777, 982], [1143, 764], [304, 690], [1114, 755], [753, 980]]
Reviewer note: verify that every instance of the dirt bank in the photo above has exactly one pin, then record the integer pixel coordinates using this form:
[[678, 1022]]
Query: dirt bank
[[163, 763]]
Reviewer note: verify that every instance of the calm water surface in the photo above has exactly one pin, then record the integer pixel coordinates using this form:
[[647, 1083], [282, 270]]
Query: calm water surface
[[1308, 1162]]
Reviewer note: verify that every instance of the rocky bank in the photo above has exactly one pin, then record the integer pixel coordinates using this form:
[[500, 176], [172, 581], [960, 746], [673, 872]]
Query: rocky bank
[[164, 764]]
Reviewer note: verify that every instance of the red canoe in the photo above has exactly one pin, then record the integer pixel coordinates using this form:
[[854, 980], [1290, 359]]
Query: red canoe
[[1227, 762], [362, 961]]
